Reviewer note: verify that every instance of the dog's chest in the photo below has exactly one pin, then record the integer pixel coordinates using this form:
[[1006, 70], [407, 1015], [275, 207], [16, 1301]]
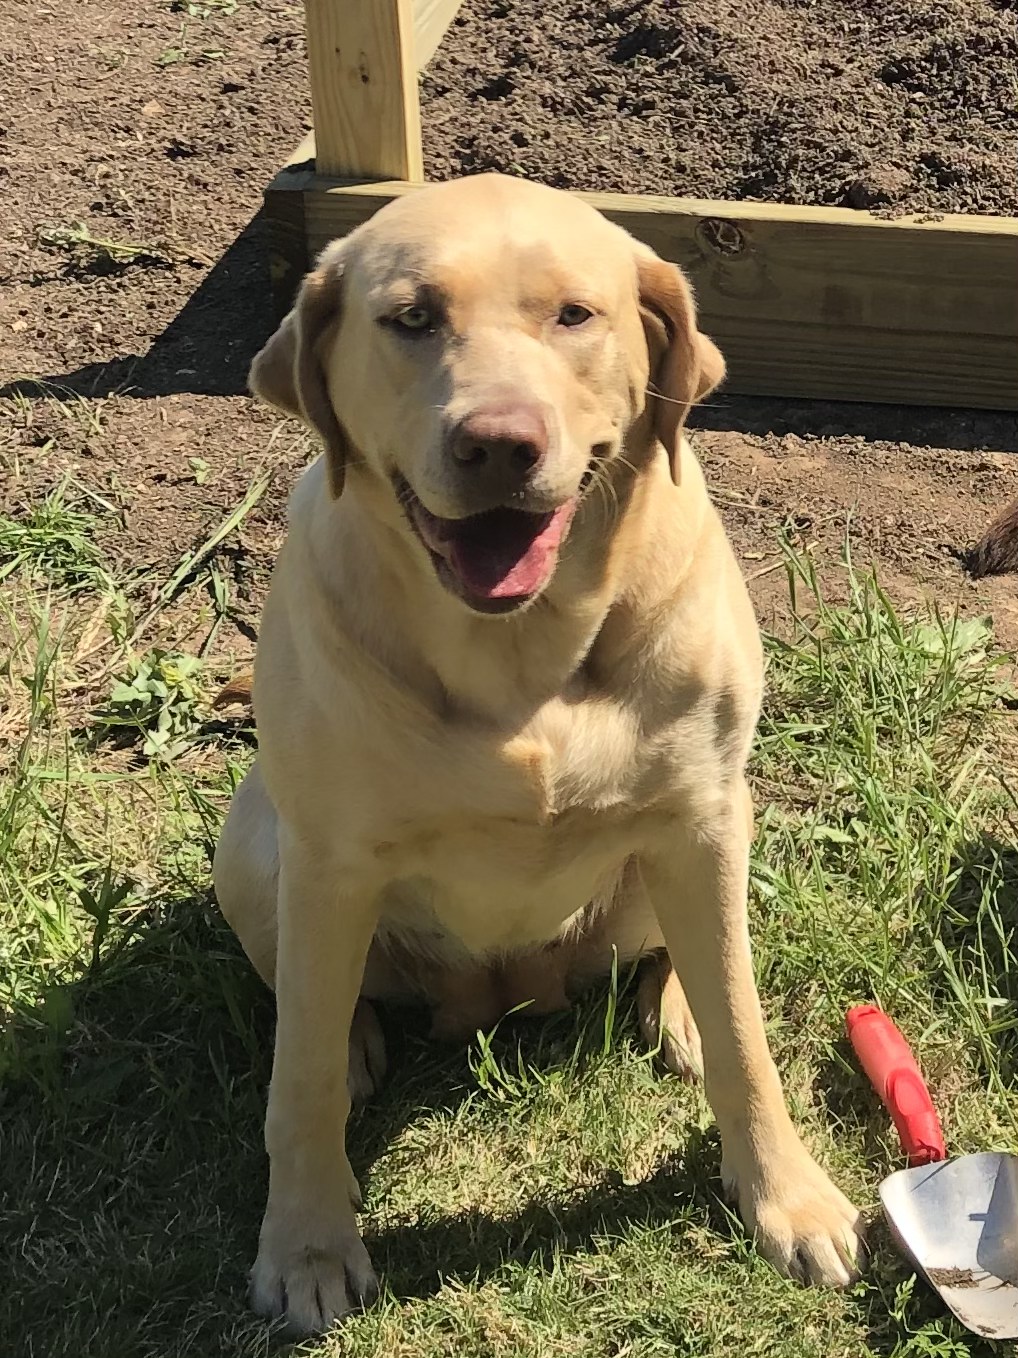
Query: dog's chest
[[572, 764], [508, 840], [586, 760]]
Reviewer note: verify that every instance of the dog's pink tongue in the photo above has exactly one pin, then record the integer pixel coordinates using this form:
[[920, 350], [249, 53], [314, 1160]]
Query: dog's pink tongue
[[507, 554]]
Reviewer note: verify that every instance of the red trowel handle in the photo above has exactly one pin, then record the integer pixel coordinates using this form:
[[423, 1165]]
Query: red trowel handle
[[886, 1058]]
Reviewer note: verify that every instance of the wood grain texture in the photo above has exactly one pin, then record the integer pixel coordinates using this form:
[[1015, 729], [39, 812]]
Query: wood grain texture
[[814, 302], [431, 19], [364, 88]]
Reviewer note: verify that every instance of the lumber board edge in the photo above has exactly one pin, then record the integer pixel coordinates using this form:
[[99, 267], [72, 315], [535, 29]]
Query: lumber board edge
[[378, 192], [431, 19], [805, 301], [287, 246]]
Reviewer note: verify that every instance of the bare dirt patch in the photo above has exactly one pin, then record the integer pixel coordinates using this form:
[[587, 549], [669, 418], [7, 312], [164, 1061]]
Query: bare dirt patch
[[135, 145], [907, 511], [906, 105]]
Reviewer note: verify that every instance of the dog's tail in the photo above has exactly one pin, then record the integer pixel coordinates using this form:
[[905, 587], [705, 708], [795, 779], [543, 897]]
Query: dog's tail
[[996, 552], [236, 692]]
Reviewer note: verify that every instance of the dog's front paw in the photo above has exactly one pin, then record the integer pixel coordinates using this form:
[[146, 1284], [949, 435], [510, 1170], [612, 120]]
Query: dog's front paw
[[803, 1225], [314, 1281]]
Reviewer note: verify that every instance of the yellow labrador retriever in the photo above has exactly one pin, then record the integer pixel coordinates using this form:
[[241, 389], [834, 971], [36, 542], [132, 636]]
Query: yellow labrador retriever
[[506, 686]]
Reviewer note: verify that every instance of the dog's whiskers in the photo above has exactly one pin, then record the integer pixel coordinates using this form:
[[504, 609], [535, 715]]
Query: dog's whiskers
[[672, 401], [603, 485], [660, 396]]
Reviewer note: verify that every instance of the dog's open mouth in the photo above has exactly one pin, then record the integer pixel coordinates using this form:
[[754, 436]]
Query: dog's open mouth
[[497, 560]]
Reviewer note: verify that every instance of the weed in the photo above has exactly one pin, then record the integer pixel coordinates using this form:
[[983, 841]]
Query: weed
[[78, 241], [199, 470], [158, 699], [204, 9], [181, 52]]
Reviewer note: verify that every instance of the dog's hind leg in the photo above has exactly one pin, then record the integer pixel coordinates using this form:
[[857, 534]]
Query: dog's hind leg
[[666, 1020]]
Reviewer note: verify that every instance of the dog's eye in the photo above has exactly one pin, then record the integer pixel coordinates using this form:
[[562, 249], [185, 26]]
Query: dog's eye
[[415, 319], [572, 314]]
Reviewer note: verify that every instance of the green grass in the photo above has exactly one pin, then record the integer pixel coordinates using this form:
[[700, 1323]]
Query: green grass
[[548, 1193], [52, 542]]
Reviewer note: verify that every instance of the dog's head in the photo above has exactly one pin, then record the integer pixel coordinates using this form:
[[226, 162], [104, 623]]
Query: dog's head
[[485, 348]]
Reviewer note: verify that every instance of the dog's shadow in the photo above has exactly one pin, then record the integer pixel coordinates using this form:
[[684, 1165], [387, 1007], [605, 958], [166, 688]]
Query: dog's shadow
[[132, 1105], [131, 1112], [472, 1245]]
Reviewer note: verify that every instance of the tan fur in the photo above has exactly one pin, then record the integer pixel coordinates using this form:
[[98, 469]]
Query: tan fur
[[476, 810]]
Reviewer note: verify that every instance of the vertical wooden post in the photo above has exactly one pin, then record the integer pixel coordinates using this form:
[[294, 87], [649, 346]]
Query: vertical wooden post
[[364, 89]]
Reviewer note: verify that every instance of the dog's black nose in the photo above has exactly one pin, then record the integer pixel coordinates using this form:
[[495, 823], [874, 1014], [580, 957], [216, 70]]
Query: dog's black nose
[[512, 437]]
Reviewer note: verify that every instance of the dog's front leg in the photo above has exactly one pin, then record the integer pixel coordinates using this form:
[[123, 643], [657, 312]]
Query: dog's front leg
[[312, 1267], [698, 886]]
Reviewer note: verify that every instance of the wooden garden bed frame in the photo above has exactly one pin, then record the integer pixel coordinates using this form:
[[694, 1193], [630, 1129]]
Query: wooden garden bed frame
[[804, 302]]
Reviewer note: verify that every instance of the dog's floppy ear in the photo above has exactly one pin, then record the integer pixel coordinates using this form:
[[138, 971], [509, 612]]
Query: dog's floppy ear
[[684, 365], [289, 372]]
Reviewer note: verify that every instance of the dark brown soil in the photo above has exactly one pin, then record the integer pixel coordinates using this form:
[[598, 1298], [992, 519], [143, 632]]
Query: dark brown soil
[[888, 104], [958, 1277], [906, 510], [154, 129], [161, 141], [157, 129]]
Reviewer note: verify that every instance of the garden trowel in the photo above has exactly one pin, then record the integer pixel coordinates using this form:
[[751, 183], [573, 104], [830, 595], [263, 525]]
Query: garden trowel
[[957, 1220]]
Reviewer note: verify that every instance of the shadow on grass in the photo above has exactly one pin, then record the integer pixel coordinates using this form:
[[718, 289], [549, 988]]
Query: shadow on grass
[[979, 934], [417, 1262], [131, 1168], [132, 1174]]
